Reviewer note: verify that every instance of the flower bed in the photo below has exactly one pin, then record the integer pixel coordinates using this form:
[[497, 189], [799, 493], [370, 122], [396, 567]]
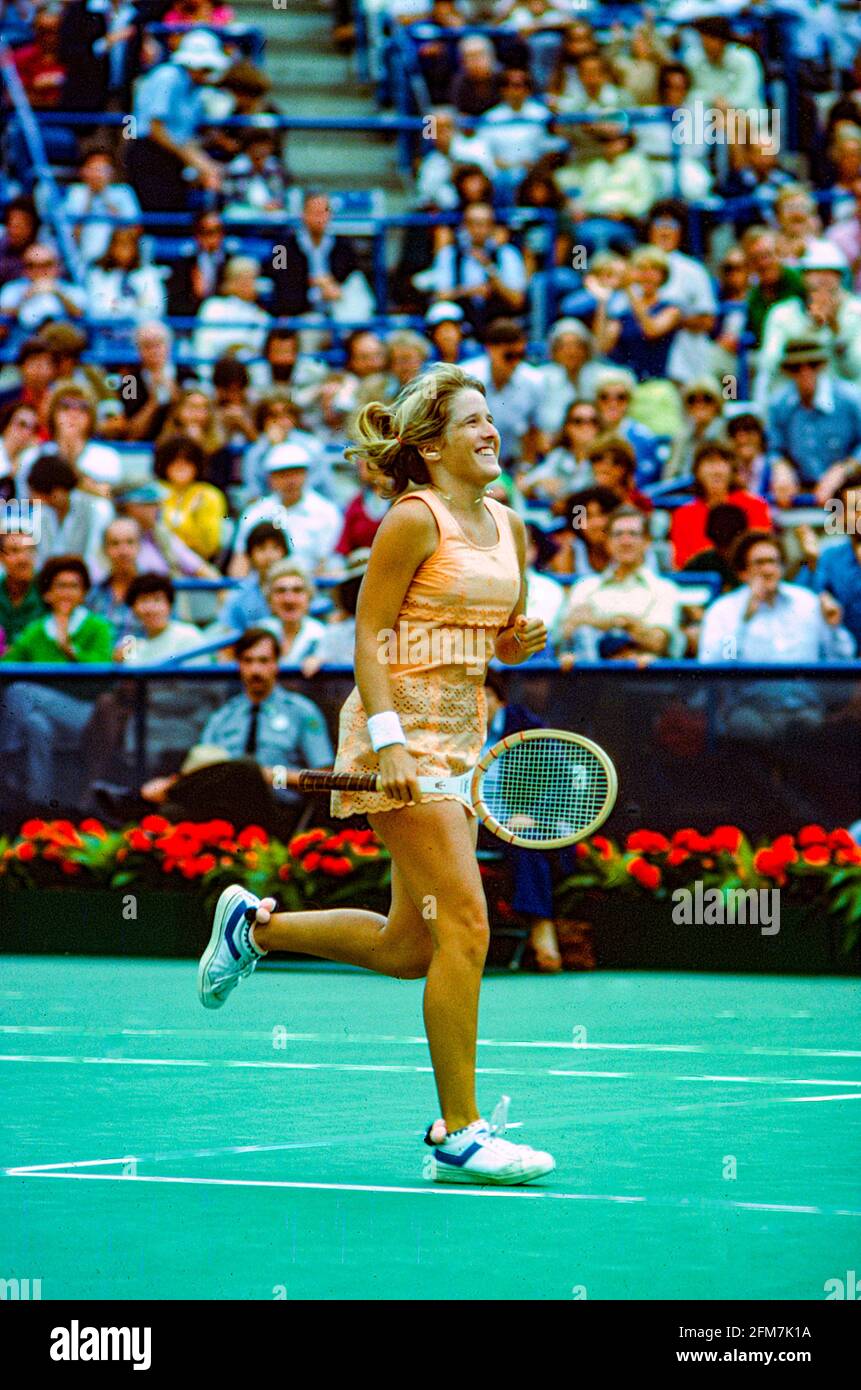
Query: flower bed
[[176, 871]]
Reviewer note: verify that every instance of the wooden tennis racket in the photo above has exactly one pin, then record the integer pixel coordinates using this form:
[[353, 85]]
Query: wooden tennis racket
[[540, 789]]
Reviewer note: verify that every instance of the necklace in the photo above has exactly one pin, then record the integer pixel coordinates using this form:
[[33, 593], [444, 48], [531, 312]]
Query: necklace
[[447, 497]]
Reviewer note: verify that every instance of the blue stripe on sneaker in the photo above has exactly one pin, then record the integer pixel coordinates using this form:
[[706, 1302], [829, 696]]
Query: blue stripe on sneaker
[[230, 930], [457, 1160]]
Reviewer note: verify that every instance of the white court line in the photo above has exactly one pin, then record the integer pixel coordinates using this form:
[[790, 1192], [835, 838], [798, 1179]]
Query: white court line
[[418, 1041], [441, 1190], [386, 1067]]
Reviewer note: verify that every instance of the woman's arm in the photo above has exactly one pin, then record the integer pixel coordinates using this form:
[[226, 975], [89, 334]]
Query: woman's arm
[[521, 637], [407, 537], [657, 325]]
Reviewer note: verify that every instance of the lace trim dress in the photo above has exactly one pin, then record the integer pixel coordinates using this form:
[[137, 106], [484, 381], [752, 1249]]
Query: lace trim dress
[[455, 606]]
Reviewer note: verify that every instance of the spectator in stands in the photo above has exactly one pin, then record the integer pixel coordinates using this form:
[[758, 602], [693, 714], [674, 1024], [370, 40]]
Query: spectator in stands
[[733, 284], [161, 551], [545, 595], [366, 356], [310, 521], [67, 343], [337, 643], [479, 270], [578, 39], [98, 194], [671, 163], [72, 426], [71, 521], [284, 366], [688, 285], [249, 89], [168, 110], [755, 172], [845, 234], [40, 65], [444, 323], [727, 74], [246, 605], [566, 469], [614, 189], [196, 277], [747, 436], [827, 313], [151, 388], [108, 598], [41, 294], [814, 425], [581, 544], [773, 282], [407, 353], [312, 266], [20, 600], [194, 414], [703, 403], [38, 719], [276, 419], [150, 598], [192, 509], [121, 289], [451, 148], [715, 484], [614, 392], [288, 592], [640, 330], [36, 375], [799, 231], [260, 739], [363, 513], [18, 426], [569, 374], [101, 46], [475, 86], [232, 320], [613, 466], [191, 12], [768, 621], [724, 524], [234, 417], [20, 231], [255, 183], [516, 129], [838, 571], [513, 390], [628, 612]]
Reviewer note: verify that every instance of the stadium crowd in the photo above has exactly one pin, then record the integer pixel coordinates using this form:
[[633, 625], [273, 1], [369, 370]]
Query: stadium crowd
[[680, 426]]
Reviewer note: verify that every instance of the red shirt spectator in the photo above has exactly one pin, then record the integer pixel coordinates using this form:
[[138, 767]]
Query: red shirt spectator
[[714, 472]]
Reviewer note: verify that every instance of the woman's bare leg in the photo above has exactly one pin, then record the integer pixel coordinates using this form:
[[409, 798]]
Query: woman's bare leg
[[398, 945]]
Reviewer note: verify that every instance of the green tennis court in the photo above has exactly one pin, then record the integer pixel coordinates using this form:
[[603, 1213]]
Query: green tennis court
[[706, 1131]]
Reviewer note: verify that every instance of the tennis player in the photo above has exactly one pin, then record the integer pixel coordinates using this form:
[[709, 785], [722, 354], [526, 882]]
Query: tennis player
[[444, 592]]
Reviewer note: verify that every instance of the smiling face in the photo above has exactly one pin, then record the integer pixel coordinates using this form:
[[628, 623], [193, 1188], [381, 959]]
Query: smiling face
[[122, 545], [764, 566], [258, 669], [469, 448], [627, 541], [288, 484], [66, 593], [714, 474], [152, 612], [289, 598]]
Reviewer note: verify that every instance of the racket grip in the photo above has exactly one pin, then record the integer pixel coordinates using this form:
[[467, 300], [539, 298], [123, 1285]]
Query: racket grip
[[339, 781]]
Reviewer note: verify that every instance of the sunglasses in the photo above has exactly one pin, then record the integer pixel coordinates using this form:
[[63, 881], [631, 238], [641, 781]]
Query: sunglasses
[[613, 396], [701, 398]]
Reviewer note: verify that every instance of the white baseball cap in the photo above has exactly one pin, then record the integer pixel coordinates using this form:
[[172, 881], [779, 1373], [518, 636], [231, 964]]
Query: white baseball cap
[[284, 456], [201, 50]]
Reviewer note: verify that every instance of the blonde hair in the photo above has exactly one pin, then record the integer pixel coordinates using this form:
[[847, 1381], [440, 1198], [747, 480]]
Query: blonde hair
[[388, 437], [278, 571], [213, 437]]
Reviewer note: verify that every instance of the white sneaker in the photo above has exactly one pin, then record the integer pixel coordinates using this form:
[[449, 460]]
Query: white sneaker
[[231, 954], [478, 1154]]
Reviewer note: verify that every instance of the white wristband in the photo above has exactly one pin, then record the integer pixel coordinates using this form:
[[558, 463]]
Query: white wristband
[[384, 729]]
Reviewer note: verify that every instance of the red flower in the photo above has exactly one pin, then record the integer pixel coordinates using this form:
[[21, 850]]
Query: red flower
[[155, 825], [93, 827], [581, 851], [692, 840], [838, 839], [138, 840], [647, 875], [26, 852], [31, 829], [335, 864], [604, 848], [213, 831], [647, 842], [312, 860], [770, 865], [370, 851], [784, 850], [300, 843], [817, 854], [69, 866], [676, 857], [811, 835], [284, 872], [253, 835], [726, 839], [848, 856]]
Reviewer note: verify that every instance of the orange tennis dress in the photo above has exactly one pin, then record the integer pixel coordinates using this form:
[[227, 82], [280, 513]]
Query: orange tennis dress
[[437, 656]]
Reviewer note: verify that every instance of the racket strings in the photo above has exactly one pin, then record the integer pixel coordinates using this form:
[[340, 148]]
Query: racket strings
[[544, 789]]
